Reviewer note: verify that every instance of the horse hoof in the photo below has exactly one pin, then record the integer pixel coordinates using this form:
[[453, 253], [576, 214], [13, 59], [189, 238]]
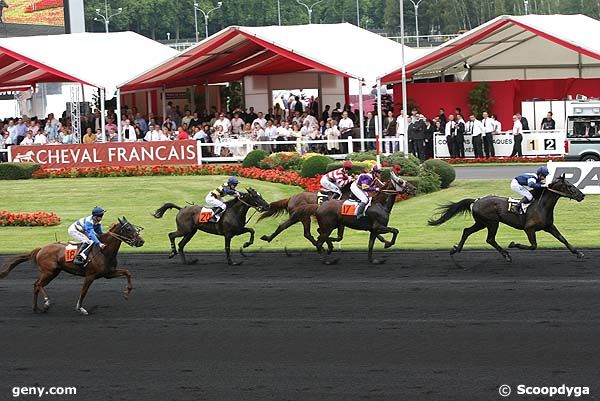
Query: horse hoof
[[388, 244], [46, 305], [580, 255], [454, 250], [247, 244], [512, 245], [507, 257], [265, 238], [172, 255], [82, 311], [235, 263]]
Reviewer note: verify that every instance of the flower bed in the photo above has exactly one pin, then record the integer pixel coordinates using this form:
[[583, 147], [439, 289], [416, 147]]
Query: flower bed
[[470, 160], [44, 5], [34, 219], [276, 176]]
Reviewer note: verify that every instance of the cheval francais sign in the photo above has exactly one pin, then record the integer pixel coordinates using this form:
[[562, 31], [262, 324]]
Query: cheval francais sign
[[118, 154]]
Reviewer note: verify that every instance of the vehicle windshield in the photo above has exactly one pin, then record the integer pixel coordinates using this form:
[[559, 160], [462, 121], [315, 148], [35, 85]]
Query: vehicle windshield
[[583, 127]]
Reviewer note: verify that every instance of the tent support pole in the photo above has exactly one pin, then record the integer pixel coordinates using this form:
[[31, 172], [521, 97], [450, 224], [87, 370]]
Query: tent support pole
[[164, 104], [207, 97], [103, 113], [119, 125], [379, 120], [149, 102], [361, 116]]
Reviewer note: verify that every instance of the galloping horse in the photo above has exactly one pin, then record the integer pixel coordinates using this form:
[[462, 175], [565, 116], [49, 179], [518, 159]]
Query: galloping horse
[[232, 223], [489, 211], [290, 206], [102, 263], [375, 221]]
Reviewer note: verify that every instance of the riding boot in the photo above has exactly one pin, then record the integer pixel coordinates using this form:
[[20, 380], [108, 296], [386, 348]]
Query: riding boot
[[217, 212], [522, 202], [82, 257], [360, 212]]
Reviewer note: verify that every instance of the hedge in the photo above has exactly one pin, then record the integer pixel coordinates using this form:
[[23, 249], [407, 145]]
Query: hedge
[[254, 158], [408, 166], [443, 169], [17, 171], [315, 165], [429, 181]]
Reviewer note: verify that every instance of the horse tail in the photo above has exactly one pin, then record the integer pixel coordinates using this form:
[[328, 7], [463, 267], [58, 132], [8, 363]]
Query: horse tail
[[305, 211], [276, 209], [161, 210], [17, 261], [451, 210]]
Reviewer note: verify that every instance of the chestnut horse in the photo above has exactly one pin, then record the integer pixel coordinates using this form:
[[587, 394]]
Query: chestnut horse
[[375, 221], [102, 263]]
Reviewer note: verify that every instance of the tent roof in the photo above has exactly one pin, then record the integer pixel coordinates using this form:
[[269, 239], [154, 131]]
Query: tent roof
[[529, 43], [109, 58], [238, 51]]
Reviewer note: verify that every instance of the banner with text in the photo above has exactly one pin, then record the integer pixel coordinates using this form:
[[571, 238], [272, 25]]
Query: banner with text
[[536, 143], [584, 175], [117, 154]]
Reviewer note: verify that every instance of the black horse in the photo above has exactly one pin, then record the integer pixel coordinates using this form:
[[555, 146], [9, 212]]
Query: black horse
[[489, 211], [232, 223]]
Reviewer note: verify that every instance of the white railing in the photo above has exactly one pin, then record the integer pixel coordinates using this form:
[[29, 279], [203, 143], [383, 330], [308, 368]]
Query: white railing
[[239, 148]]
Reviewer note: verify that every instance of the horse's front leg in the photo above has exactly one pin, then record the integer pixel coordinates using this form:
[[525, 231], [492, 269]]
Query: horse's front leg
[[228, 252], [532, 240], [556, 234], [251, 240], [384, 230], [119, 273]]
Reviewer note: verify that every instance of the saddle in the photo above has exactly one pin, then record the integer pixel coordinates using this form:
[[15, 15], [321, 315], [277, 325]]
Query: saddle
[[350, 207], [206, 214], [513, 206]]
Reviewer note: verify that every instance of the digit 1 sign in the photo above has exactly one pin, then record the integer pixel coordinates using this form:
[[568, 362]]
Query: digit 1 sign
[[531, 145]]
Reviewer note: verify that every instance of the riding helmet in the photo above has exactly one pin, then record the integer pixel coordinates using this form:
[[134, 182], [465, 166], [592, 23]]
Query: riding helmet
[[98, 211], [376, 169], [347, 165], [233, 181], [543, 171]]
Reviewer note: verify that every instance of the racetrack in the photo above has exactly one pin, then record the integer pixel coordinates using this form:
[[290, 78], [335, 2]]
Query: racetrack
[[276, 328]]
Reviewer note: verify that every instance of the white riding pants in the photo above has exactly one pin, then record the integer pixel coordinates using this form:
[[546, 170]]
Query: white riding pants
[[212, 202], [330, 186], [77, 235], [520, 189], [359, 193]]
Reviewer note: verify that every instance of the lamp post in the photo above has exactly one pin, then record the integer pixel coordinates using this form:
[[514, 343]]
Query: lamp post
[[357, 14], [309, 8], [106, 16], [526, 6], [416, 18], [279, 12], [206, 15], [404, 96]]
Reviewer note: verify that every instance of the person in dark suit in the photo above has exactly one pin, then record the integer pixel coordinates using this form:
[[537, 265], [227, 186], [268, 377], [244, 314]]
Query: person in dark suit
[[416, 134], [430, 129], [524, 122], [460, 136], [370, 130], [325, 116]]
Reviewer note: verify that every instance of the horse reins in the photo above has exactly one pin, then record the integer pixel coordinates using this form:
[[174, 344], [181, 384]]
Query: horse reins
[[249, 205]]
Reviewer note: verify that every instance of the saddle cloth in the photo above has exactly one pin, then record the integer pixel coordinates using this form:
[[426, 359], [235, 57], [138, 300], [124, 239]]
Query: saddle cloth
[[350, 207], [513, 203], [205, 215], [70, 252]]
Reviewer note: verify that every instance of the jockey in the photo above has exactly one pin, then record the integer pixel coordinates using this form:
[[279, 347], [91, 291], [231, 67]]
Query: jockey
[[214, 197], [363, 186], [335, 181], [530, 180], [86, 230]]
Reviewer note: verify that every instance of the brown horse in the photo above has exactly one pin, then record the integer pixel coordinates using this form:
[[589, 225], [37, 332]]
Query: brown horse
[[290, 206], [102, 263], [232, 223], [375, 221], [489, 211]]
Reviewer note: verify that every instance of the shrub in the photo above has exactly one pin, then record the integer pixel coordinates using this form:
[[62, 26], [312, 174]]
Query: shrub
[[254, 158], [408, 166], [443, 169], [429, 181], [362, 156], [315, 165], [282, 161], [17, 171]]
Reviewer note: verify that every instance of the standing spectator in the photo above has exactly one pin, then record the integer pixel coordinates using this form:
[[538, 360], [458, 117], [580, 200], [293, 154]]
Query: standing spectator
[[195, 121], [297, 105], [332, 134], [224, 123], [517, 132], [128, 133], [140, 122], [442, 118], [337, 112], [429, 130], [260, 120], [523, 121], [389, 131], [12, 131], [297, 136], [497, 125], [345, 126], [89, 137], [460, 136], [401, 128], [548, 123], [251, 116], [271, 133], [4, 142], [476, 130], [21, 130], [313, 106], [416, 136], [488, 135], [237, 125], [187, 118], [259, 133], [450, 131], [326, 115], [50, 130], [370, 130]]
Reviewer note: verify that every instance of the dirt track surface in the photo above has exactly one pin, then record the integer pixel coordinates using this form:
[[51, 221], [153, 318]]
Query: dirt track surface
[[279, 328]]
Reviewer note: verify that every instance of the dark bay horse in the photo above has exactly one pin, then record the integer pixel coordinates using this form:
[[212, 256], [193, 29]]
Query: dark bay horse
[[375, 221], [232, 223], [290, 206], [489, 211], [102, 263]]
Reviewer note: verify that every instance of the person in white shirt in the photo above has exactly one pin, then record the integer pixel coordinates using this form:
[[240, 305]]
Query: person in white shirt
[[224, 123], [40, 139], [312, 121], [260, 120], [237, 124], [332, 135], [488, 135], [497, 125], [517, 132], [476, 130], [450, 135], [345, 126], [128, 132], [28, 140], [200, 135]]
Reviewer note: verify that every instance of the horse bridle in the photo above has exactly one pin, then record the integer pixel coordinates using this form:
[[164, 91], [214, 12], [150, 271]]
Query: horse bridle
[[250, 206], [128, 241]]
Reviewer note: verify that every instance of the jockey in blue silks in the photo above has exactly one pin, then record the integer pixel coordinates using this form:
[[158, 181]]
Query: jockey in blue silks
[[86, 230], [520, 182], [214, 197]]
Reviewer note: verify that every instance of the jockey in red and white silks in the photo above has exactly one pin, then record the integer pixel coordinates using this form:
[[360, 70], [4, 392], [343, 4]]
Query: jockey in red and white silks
[[335, 181]]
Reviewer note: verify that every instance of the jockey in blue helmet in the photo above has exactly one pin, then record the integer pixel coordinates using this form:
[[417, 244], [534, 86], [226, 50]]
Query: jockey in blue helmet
[[531, 180], [214, 197], [87, 230]]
